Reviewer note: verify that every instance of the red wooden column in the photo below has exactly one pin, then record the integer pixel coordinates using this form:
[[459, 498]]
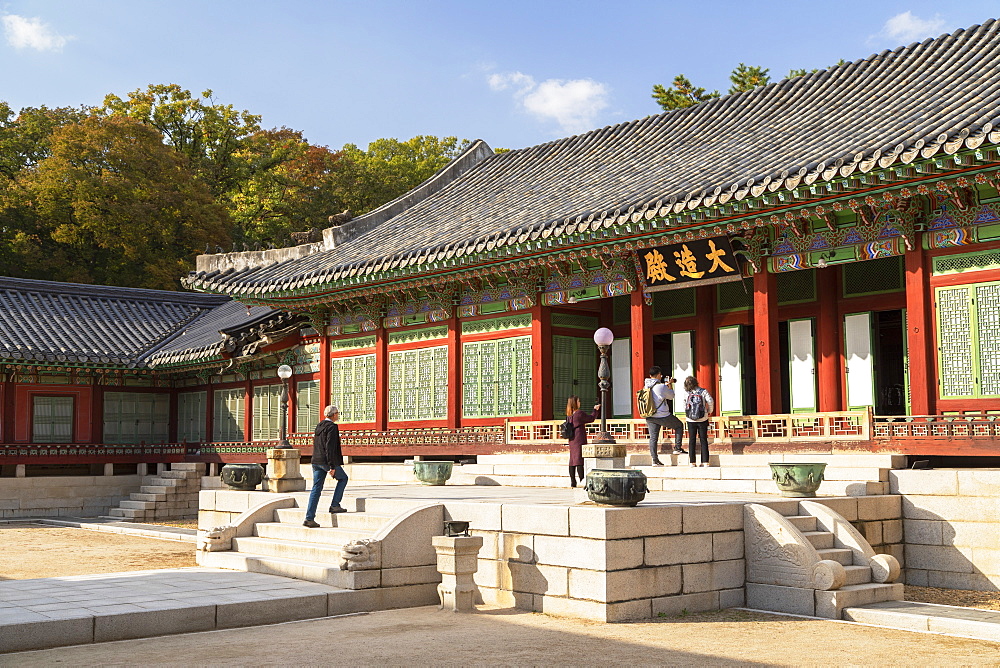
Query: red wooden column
[[97, 415], [642, 341], [919, 340], [541, 363], [381, 379], [765, 323], [454, 372], [706, 343], [828, 356], [8, 417], [324, 372]]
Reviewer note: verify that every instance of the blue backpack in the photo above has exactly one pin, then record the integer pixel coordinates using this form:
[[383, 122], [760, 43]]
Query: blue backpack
[[694, 405]]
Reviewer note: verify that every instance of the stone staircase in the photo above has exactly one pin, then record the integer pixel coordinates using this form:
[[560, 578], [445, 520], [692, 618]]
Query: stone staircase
[[169, 494], [813, 563], [377, 543], [860, 474]]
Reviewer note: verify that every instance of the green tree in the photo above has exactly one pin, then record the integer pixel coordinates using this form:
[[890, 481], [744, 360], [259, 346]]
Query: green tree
[[681, 95], [367, 179], [213, 136], [747, 77], [112, 205]]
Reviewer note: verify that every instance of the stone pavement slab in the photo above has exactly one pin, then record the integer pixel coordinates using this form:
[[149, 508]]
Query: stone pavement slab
[[54, 612], [929, 617]]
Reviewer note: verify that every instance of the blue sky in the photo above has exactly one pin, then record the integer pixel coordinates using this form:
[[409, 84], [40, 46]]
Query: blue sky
[[514, 73]]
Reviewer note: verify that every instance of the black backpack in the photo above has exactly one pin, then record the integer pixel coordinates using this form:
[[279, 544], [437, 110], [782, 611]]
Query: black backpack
[[567, 430]]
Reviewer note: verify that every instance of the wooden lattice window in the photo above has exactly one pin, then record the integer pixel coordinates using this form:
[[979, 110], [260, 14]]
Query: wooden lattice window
[[266, 412], [227, 420], [496, 377], [968, 338], [191, 407], [574, 371], [52, 420], [307, 405], [136, 417], [418, 384], [352, 388]]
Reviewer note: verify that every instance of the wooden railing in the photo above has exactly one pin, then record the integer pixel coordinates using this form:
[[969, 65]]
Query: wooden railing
[[794, 428], [964, 425]]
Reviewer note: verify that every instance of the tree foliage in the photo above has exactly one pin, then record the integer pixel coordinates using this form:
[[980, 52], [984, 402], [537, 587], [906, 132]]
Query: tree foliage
[[129, 192], [681, 95], [747, 77], [113, 205]]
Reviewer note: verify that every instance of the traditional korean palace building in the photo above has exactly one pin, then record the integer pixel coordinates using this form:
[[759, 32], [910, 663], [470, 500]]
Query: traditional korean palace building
[[823, 253]]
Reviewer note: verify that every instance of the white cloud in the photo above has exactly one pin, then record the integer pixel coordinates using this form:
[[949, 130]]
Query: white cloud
[[905, 28], [574, 104], [31, 33]]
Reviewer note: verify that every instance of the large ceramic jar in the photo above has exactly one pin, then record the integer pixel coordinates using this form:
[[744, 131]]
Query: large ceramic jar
[[616, 487], [433, 473], [798, 480], [244, 477]]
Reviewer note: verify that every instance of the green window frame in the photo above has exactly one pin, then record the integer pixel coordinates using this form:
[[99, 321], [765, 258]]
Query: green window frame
[[352, 388], [968, 341], [574, 371], [52, 419], [307, 405], [418, 384], [134, 417], [496, 377], [191, 408], [227, 420], [266, 412]]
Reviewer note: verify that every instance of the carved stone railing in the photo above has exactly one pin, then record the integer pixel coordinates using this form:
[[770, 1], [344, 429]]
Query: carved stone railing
[[793, 428]]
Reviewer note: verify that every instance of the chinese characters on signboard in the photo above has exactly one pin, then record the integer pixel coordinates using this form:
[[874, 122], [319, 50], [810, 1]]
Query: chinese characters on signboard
[[701, 261]]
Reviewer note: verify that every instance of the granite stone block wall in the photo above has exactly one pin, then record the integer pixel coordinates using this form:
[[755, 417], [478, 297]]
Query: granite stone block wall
[[951, 527], [64, 496]]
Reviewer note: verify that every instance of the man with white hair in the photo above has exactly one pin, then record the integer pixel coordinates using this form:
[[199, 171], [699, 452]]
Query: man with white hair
[[326, 458]]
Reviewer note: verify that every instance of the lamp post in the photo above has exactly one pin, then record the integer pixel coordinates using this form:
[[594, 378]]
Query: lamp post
[[284, 373], [604, 338]]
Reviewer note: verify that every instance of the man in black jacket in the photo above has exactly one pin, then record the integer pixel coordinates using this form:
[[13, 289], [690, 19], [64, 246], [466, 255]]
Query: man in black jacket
[[326, 458]]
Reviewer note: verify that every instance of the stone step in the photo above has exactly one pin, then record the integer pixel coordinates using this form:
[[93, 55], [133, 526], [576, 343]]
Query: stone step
[[324, 535], [819, 539], [349, 520], [289, 549], [141, 496], [540, 459], [137, 505], [327, 574], [841, 554], [157, 489], [858, 575], [160, 481], [178, 475], [830, 604], [128, 513], [929, 617], [803, 522], [188, 466]]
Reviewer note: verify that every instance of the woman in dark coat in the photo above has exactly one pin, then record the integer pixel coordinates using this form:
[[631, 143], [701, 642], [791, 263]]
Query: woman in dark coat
[[579, 419]]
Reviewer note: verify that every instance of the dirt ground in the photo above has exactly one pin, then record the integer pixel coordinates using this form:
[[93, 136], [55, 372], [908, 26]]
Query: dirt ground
[[427, 636], [38, 551]]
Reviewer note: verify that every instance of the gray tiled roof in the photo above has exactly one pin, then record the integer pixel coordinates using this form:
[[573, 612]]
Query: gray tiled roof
[[49, 322], [892, 107]]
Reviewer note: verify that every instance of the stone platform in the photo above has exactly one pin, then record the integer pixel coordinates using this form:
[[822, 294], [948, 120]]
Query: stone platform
[[55, 612]]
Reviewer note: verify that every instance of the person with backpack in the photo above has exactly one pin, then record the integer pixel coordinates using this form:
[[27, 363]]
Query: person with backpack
[[656, 405], [574, 430], [698, 407]]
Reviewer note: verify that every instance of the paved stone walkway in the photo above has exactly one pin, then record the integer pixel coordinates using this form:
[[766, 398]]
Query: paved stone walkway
[[81, 609]]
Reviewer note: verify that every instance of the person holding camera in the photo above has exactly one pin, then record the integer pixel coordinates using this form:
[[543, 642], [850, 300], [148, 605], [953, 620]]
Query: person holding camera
[[579, 419], [662, 390]]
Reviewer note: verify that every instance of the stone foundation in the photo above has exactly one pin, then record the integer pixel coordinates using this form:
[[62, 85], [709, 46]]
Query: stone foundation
[[951, 525]]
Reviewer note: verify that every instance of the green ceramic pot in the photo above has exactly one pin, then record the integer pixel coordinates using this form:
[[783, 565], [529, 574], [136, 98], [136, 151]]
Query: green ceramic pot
[[433, 473], [244, 477], [798, 480], [616, 487]]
